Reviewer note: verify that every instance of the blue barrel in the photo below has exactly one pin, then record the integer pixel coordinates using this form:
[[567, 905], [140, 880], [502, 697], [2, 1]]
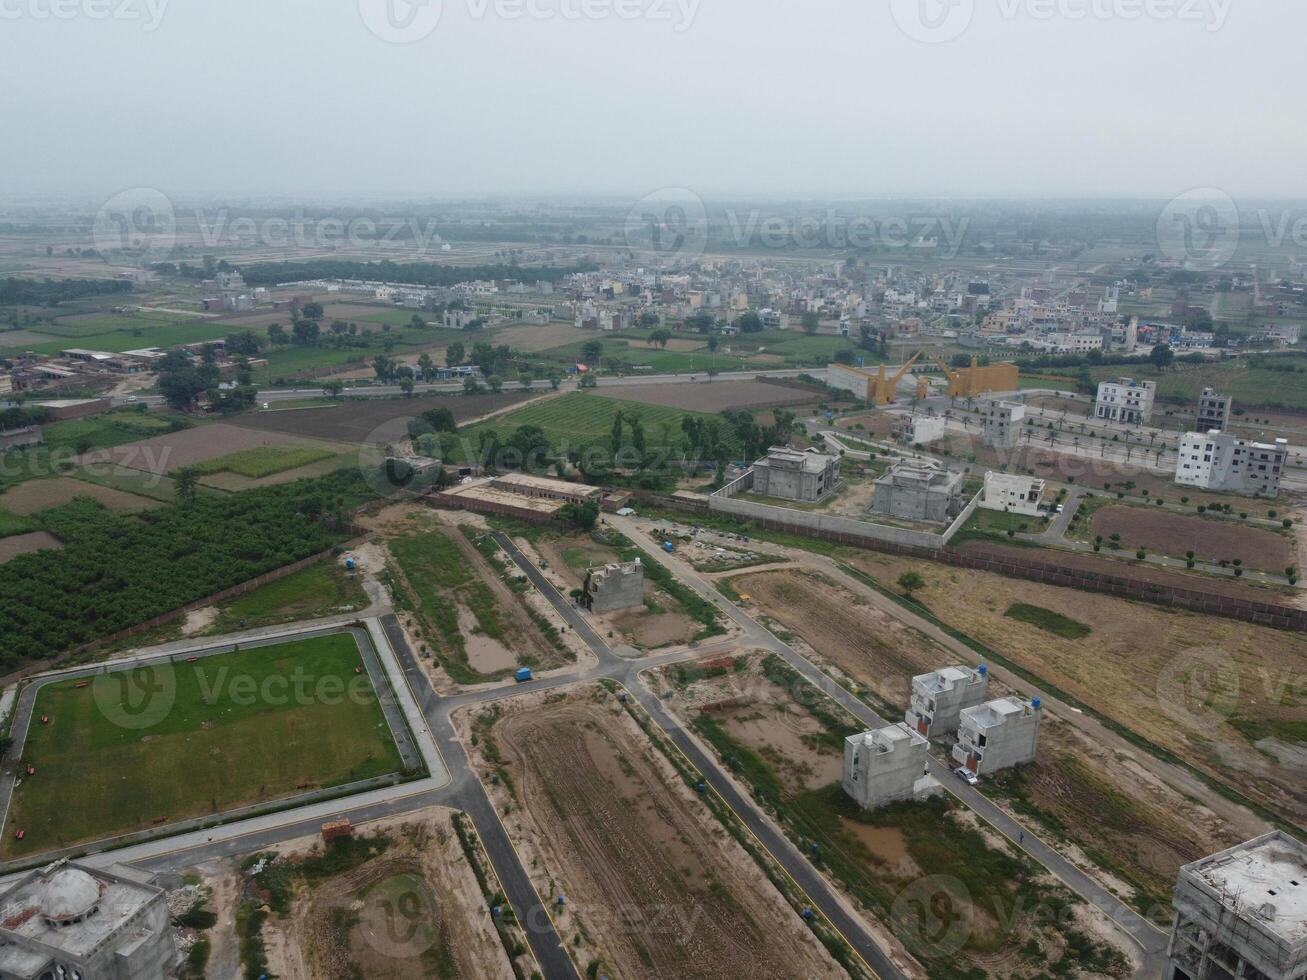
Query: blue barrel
[[350, 564], [495, 911], [807, 915], [700, 787]]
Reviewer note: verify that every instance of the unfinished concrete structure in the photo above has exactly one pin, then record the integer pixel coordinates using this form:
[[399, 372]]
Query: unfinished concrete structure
[[803, 475], [939, 697], [1213, 411], [67, 921], [918, 430], [614, 587], [997, 735], [918, 490], [1003, 423], [1012, 493], [1242, 913], [886, 766]]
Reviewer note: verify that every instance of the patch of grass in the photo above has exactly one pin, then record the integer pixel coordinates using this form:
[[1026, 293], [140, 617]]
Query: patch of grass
[[11, 524], [229, 730], [261, 461], [1049, 621], [322, 589]]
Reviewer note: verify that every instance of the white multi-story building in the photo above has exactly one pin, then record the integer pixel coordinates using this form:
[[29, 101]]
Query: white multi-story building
[[1213, 411], [939, 697], [887, 766], [1012, 493], [1220, 461], [997, 735], [1003, 421], [1126, 400]]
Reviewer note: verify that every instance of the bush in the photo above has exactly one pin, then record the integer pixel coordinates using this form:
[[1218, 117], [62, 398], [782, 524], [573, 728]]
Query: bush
[[1141, 554]]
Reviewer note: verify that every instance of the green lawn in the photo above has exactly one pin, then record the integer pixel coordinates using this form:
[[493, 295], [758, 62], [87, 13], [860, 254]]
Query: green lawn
[[263, 461], [322, 589], [147, 334], [1049, 621], [11, 524], [1273, 381], [242, 728]]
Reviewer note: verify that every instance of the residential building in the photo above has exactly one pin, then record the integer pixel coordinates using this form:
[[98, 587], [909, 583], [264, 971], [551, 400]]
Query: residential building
[[1003, 421], [6, 384], [997, 735], [1242, 913], [918, 490], [887, 766], [918, 430], [939, 697], [807, 476], [72, 921], [1221, 461], [1125, 400], [1012, 493], [614, 586], [543, 488], [1213, 411]]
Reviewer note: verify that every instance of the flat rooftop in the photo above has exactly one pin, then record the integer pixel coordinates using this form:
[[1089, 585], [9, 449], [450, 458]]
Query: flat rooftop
[[545, 484], [1268, 879], [484, 491]]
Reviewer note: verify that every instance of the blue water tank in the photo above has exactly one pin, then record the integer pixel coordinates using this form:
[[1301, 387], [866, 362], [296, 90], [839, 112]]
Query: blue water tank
[[350, 564], [495, 911], [561, 902], [524, 674], [668, 547], [807, 914], [1036, 703], [700, 787], [982, 670]]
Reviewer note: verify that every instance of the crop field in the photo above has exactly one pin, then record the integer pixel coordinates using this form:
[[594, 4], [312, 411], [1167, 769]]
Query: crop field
[[322, 589], [38, 495], [717, 396], [190, 739], [147, 334], [190, 447], [12, 523], [1273, 381], [266, 460], [83, 325], [15, 545], [110, 429], [580, 419], [1210, 539], [616, 829], [784, 740], [1224, 696], [371, 421]]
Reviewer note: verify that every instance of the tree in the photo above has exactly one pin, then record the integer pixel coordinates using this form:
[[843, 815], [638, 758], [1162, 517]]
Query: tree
[[1162, 356], [455, 353], [244, 342], [426, 365], [649, 319], [406, 385], [910, 582], [713, 343], [333, 388], [384, 367], [749, 322], [810, 323], [305, 332], [660, 337], [276, 335], [583, 516], [186, 481], [591, 351]]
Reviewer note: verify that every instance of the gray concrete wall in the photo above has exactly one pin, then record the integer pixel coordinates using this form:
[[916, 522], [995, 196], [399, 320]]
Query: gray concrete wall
[[827, 522]]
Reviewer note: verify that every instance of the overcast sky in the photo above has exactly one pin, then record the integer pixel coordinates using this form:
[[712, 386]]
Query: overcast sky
[[775, 97]]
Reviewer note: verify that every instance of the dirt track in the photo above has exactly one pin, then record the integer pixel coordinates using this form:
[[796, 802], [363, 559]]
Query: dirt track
[[649, 875]]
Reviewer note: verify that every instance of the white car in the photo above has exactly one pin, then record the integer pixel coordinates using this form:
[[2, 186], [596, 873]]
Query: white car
[[963, 773]]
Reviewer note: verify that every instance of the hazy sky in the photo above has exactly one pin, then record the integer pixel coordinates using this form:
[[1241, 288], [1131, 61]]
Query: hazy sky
[[801, 97]]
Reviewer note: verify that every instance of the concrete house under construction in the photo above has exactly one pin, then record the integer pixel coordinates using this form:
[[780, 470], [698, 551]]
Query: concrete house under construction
[[615, 587], [939, 697], [997, 735], [886, 766]]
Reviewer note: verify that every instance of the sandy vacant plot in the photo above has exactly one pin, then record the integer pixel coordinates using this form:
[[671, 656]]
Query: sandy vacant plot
[[172, 451], [1210, 539], [23, 544], [35, 495], [545, 336], [652, 880], [375, 421], [713, 396]]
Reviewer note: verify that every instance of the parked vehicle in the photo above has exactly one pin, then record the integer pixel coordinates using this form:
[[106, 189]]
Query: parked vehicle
[[965, 774]]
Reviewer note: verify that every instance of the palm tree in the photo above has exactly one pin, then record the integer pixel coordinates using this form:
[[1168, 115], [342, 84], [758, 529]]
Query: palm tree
[[186, 481]]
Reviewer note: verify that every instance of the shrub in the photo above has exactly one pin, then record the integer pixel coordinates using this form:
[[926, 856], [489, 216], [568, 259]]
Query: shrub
[[1141, 554]]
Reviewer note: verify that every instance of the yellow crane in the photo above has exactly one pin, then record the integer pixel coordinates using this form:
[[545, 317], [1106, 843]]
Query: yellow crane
[[882, 390]]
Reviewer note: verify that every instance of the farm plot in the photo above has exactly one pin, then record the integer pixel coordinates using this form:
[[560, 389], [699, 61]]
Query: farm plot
[[190, 447], [38, 495], [222, 732], [716, 396], [654, 886], [1224, 696], [371, 421], [784, 740], [24, 544], [1210, 539]]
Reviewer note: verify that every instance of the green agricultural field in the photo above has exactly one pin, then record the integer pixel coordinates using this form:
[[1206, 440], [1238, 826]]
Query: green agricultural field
[[242, 728], [581, 419], [618, 349], [1274, 381], [262, 461], [146, 334], [11, 524], [100, 324], [322, 589], [110, 429]]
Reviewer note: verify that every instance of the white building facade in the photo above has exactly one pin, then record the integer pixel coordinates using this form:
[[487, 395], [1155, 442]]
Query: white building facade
[[1220, 461], [1125, 400]]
